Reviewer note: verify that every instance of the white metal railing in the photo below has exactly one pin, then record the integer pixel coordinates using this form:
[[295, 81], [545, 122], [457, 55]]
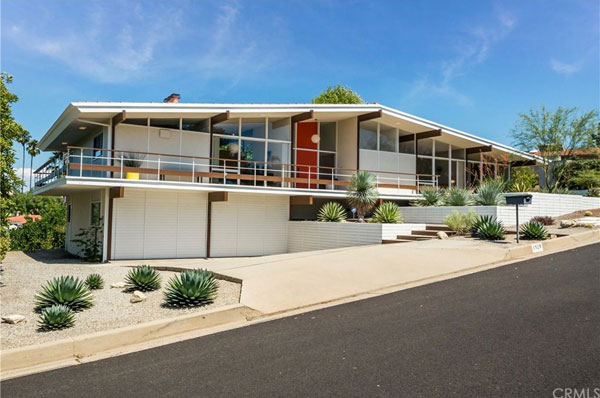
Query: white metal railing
[[116, 164]]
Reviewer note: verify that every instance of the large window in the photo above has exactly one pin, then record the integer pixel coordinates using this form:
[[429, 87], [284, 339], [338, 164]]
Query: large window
[[368, 135], [327, 133], [229, 127], [254, 128], [165, 123], [200, 125], [425, 147], [387, 138], [280, 129]]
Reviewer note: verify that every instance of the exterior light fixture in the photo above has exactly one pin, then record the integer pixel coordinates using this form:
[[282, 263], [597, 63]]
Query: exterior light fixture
[[315, 138], [64, 143], [82, 128]]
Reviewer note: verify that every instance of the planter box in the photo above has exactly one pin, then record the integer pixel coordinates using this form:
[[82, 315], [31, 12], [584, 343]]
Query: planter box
[[542, 204], [315, 235]]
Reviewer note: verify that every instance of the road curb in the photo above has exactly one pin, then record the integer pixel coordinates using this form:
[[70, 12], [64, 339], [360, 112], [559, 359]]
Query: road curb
[[75, 348], [562, 243]]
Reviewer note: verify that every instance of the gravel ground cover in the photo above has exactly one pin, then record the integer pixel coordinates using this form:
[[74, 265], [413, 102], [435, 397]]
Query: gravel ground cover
[[24, 274]]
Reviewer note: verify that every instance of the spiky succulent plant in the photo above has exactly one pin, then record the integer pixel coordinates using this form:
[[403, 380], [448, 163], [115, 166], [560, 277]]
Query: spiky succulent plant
[[490, 229], [65, 290], [490, 193], [56, 317], [534, 230], [143, 278], [94, 282], [457, 197], [192, 288], [388, 213], [332, 212], [477, 222], [430, 197]]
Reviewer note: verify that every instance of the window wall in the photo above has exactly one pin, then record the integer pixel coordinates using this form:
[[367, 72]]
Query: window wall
[[442, 159]]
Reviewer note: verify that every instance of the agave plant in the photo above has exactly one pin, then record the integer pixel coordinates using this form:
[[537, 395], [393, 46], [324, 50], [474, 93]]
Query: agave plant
[[94, 282], [488, 228], [56, 317], [143, 278], [332, 212], [457, 197], [388, 213], [65, 290], [193, 288], [362, 193], [489, 193], [430, 197], [520, 187], [534, 230]]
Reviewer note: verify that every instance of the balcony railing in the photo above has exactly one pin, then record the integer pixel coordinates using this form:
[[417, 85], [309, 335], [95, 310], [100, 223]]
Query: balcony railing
[[151, 166]]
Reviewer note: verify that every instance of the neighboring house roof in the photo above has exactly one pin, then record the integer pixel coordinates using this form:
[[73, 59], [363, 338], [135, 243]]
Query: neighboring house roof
[[22, 219], [577, 152]]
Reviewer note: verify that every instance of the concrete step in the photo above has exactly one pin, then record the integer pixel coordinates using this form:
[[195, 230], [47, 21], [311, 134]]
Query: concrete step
[[431, 233], [389, 241], [437, 227], [414, 237]]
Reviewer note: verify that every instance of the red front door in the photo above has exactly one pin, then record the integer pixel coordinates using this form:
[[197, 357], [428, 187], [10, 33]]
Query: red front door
[[306, 160]]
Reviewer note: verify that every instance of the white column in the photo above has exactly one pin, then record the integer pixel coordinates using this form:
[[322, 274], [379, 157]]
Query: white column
[[105, 225]]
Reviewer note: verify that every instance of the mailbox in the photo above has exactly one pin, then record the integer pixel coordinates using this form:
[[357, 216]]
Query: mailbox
[[518, 199]]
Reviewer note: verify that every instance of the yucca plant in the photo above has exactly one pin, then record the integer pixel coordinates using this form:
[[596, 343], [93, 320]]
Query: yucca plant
[[94, 282], [143, 278], [388, 213], [362, 193], [489, 193], [430, 197], [490, 229], [534, 230], [56, 317], [457, 197], [193, 288], [332, 212], [65, 290]]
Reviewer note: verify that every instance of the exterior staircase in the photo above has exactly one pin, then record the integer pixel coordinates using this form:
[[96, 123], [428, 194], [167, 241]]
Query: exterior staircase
[[430, 232]]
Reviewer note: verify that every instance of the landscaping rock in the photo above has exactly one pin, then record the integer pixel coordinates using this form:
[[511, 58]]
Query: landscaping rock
[[442, 235], [567, 223], [118, 285], [13, 319], [137, 297]]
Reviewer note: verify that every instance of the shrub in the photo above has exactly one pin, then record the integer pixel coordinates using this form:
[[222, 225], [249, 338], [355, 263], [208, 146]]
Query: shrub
[[65, 290], [94, 282], [520, 187], [593, 192], [431, 197], [56, 317], [557, 190], [544, 220], [362, 193], [489, 193], [193, 288], [4, 244], [89, 241], [388, 213], [534, 230], [457, 197], [460, 223], [48, 232], [143, 278], [588, 213], [488, 228], [332, 212]]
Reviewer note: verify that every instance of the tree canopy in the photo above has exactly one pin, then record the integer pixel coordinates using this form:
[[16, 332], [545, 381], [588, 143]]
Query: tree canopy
[[338, 95], [555, 135]]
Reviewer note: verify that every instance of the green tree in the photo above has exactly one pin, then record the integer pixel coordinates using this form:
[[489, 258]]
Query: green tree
[[362, 193], [10, 131], [33, 151], [555, 135], [338, 95], [23, 140], [46, 233]]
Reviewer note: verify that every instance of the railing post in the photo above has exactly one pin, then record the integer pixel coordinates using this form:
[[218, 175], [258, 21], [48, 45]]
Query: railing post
[[224, 170], [121, 165], [158, 169], [308, 177], [332, 184], [193, 168], [282, 176], [418, 184], [254, 173], [81, 163]]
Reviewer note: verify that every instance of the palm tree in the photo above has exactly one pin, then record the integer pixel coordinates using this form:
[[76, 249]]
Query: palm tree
[[362, 193], [23, 140], [33, 152]]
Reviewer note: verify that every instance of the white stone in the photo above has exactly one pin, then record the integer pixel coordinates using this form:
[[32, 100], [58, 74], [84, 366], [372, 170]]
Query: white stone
[[567, 223], [137, 297], [442, 235], [118, 285], [12, 319]]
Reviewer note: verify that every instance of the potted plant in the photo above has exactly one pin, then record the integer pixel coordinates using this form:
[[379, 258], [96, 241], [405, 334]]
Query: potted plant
[[132, 160]]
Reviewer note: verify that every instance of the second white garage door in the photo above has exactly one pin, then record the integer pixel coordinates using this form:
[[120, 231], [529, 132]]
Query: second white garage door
[[159, 224], [249, 225]]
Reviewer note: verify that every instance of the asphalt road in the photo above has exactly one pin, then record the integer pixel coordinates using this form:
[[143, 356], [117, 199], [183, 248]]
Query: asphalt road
[[520, 330]]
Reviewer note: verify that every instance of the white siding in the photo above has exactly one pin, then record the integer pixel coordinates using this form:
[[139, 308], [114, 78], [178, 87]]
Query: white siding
[[159, 224], [249, 225]]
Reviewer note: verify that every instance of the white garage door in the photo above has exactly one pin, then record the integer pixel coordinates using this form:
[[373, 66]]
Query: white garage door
[[159, 224], [249, 225]]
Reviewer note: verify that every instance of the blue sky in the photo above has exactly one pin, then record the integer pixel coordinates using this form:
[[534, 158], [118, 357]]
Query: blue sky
[[473, 65]]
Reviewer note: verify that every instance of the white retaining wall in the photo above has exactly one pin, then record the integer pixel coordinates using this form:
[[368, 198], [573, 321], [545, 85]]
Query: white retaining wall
[[542, 204], [315, 235]]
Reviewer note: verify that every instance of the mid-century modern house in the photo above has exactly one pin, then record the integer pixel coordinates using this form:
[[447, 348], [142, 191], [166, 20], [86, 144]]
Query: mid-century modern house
[[177, 180]]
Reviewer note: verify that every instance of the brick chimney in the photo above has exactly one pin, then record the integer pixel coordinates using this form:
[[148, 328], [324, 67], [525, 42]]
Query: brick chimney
[[173, 98]]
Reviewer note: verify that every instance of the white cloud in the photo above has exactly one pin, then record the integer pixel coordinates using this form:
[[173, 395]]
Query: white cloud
[[27, 170], [470, 51], [565, 68]]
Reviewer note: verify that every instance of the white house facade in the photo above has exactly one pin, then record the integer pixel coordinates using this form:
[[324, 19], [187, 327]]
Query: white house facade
[[178, 180]]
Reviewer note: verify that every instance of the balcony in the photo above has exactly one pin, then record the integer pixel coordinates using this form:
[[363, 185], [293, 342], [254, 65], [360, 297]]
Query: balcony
[[127, 166]]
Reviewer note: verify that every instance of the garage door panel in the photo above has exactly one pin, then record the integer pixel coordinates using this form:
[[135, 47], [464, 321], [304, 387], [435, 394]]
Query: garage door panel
[[128, 229], [191, 225]]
